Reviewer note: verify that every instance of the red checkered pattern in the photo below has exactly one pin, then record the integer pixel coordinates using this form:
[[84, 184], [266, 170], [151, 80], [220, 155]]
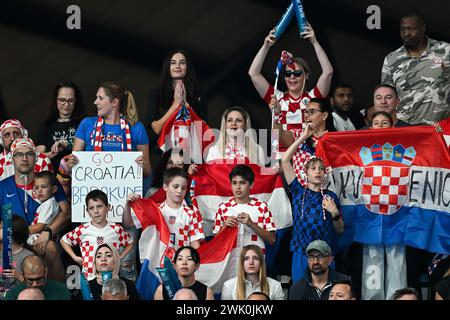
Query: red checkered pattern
[[235, 151], [43, 163], [299, 159], [385, 188], [292, 110], [187, 226], [86, 236], [13, 123], [257, 210], [97, 135]]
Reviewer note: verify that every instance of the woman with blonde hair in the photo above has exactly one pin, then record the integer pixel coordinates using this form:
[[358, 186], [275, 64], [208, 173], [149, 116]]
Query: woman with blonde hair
[[236, 138], [116, 127], [251, 277]]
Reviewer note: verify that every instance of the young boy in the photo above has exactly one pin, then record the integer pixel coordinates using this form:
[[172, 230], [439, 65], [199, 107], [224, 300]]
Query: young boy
[[44, 190], [315, 211], [184, 222], [249, 214], [96, 232]]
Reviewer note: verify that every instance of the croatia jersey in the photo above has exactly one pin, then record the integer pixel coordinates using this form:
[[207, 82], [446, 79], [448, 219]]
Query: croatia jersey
[[292, 110], [185, 224], [89, 238], [257, 210]]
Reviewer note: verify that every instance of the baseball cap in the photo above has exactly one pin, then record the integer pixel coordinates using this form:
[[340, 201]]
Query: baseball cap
[[320, 246]]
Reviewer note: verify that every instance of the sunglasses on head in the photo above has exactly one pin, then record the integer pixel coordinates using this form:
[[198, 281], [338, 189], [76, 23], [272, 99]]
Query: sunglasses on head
[[296, 73]]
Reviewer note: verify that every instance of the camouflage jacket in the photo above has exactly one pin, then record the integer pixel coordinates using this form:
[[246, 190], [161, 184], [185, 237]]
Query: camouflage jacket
[[423, 83]]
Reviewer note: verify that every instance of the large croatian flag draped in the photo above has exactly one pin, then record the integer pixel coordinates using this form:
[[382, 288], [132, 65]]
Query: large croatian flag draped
[[153, 244], [186, 130], [393, 184], [211, 186], [219, 259]]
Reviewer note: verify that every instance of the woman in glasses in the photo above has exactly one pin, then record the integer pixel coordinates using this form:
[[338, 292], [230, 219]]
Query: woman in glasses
[[290, 107], [55, 135]]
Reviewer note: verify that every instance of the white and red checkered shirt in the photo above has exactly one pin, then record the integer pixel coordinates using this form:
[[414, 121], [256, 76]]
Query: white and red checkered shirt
[[257, 210], [185, 224], [89, 238], [292, 110], [43, 163]]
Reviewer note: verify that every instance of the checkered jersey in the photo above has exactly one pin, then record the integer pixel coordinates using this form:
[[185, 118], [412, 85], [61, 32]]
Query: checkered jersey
[[308, 222], [385, 188], [303, 152], [292, 110], [185, 224], [89, 238], [257, 210], [43, 163]]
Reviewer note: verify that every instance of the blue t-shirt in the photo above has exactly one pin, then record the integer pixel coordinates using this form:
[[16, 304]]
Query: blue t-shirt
[[112, 135], [310, 226], [11, 193]]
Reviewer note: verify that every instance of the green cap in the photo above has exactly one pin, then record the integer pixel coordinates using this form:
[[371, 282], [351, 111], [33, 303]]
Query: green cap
[[320, 246]]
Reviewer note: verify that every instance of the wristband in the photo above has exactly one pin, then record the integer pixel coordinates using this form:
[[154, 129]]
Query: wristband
[[337, 217], [49, 231]]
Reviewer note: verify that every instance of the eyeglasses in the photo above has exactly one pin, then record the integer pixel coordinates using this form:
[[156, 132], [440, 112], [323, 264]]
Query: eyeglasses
[[38, 281], [311, 112], [20, 155], [319, 257], [296, 73], [63, 100]]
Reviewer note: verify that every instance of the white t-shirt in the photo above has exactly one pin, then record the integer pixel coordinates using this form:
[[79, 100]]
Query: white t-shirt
[[45, 214], [341, 124], [229, 289]]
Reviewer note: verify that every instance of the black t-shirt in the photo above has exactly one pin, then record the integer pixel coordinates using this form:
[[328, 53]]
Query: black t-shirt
[[96, 289], [443, 288], [51, 131], [199, 288]]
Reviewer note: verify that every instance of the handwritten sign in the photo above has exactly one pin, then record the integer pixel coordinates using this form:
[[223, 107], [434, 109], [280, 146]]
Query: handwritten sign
[[115, 173]]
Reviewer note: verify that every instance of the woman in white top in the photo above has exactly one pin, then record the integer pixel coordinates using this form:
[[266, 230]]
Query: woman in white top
[[236, 139], [251, 277]]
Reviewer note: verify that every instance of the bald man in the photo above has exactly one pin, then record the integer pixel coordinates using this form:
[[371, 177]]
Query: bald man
[[34, 272], [185, 294], [31, 294]]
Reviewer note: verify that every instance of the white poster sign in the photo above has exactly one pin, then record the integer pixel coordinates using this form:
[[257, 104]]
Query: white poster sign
[[115, 173]]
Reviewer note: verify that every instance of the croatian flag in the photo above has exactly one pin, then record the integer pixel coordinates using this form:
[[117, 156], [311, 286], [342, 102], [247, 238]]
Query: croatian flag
[[218, 259], [153, 244], [211, 186], [186, 130], [393, 185]]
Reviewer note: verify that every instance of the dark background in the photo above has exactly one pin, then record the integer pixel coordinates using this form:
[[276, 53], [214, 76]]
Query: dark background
[[126, 41]]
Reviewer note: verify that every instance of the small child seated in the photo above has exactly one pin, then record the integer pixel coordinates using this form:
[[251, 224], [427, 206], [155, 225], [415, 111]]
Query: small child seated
[[95, 233], [44, 190], [249, 214]]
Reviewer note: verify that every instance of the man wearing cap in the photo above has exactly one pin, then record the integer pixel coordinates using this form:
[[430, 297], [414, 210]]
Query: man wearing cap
[[18, 191], [318, 279], [11, 130]]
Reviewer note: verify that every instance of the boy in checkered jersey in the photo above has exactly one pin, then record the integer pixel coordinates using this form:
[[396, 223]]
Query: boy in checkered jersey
[[315, 211], [250, 215], [184, 222], [94, 233]]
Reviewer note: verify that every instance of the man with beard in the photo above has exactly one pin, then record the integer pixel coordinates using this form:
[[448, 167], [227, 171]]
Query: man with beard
[[318, 279], [345, 118], [420, 71]]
